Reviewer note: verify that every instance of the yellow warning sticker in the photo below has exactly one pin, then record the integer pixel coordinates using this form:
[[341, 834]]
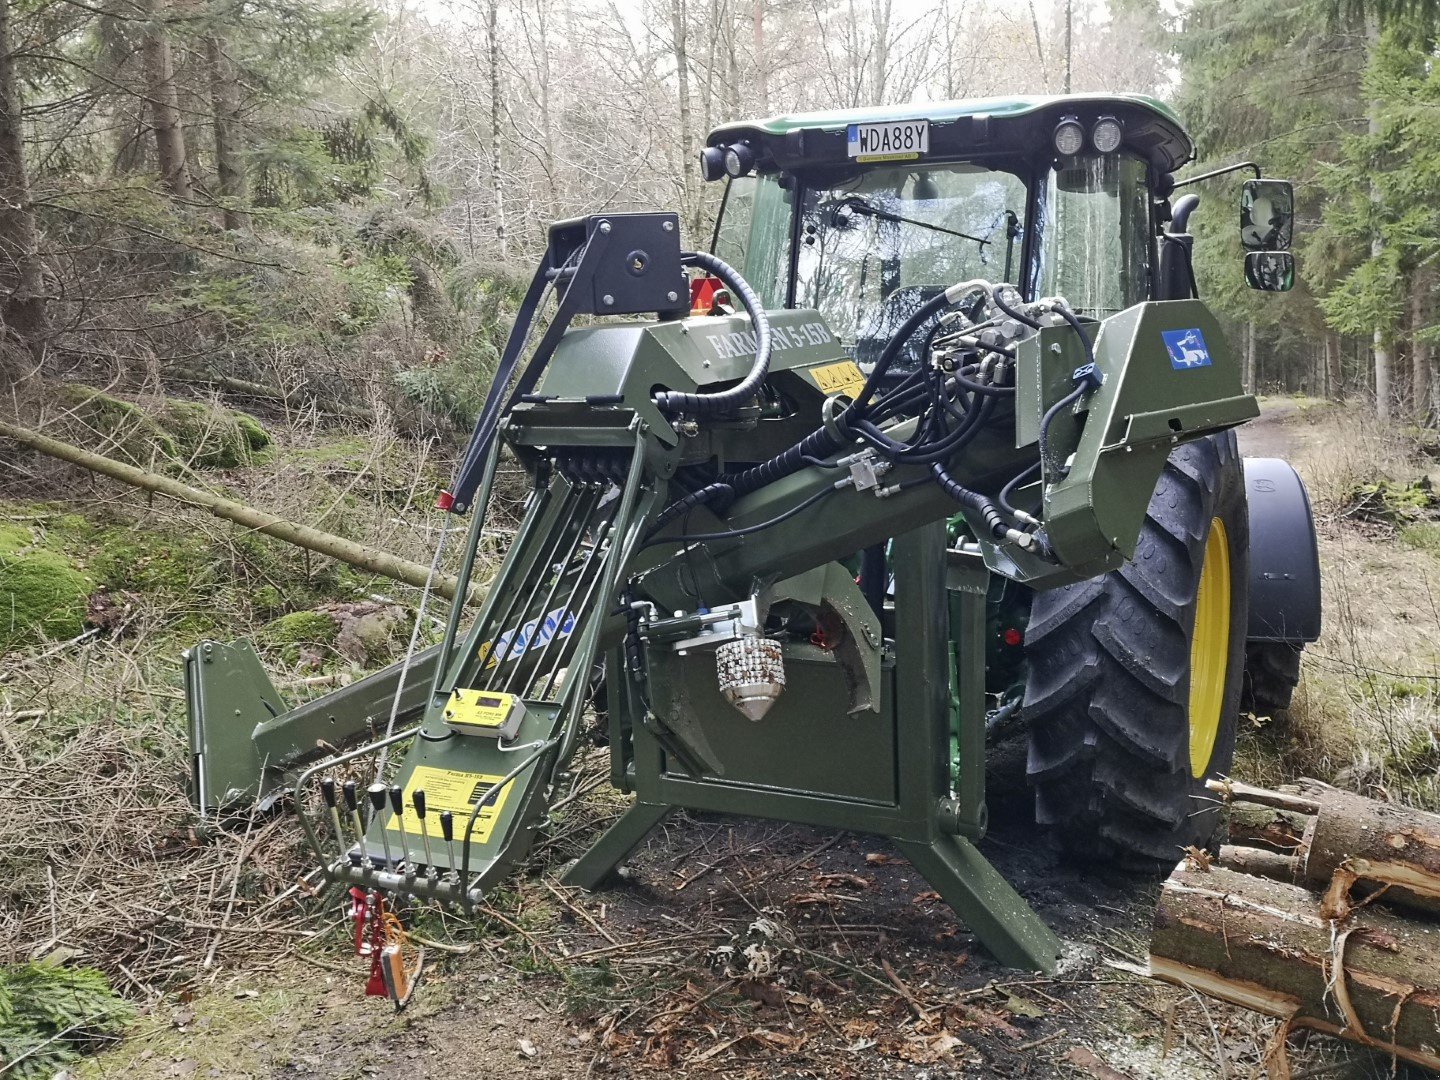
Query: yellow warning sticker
[[842, 378], [450, 789]]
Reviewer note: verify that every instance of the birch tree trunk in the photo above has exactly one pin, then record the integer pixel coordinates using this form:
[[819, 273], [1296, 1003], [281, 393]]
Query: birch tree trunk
[[230, 181], [497, 186], [679, 18], [761, 66], [165, 104], [22, 275]]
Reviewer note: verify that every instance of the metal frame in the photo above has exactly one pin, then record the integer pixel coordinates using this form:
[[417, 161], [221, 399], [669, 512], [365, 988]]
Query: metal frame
[[931, 821]]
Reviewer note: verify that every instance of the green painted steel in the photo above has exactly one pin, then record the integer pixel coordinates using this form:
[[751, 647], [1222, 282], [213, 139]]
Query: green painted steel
[[940, 112], [1015, 127], [880, 727]]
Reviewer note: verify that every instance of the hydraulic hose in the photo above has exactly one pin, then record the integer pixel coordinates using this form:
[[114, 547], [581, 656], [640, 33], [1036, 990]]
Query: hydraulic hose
[[893, 347], [994, 522], [673, 402]]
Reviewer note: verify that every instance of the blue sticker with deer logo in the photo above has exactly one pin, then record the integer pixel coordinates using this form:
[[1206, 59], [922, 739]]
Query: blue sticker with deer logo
[[1187, 349]]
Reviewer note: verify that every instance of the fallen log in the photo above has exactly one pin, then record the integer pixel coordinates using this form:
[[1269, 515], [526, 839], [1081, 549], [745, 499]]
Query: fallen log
[[1254, 825], [1260, 862], [303, 536], [1372, 978], [1381, 844], [271, 393], [1234, 791]]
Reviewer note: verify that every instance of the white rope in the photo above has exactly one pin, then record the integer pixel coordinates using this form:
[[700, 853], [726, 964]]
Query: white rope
[[414, 640]]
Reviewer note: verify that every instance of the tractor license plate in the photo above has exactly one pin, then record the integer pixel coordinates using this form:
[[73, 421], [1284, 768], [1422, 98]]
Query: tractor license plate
[[903, 140]]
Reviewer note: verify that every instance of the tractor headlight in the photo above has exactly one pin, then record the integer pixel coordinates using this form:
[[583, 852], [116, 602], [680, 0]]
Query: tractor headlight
[[1107, 134], [739, 160], [712, 163], [1069, 137]]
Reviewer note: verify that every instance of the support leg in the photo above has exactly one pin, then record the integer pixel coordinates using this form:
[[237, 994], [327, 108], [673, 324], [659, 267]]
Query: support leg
[[596, 865], [999, 916]]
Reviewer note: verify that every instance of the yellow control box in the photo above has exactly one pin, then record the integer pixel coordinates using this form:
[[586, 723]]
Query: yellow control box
[[483, 712]]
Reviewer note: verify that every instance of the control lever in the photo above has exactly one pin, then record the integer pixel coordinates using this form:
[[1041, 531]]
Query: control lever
[[447, 830], [327, 791], [352, 804], [377, 802], [419, 798], [397, 807]]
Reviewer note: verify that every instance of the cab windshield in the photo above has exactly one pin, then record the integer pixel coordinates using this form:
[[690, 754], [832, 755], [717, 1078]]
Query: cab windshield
[[874, 248], [869, 251]]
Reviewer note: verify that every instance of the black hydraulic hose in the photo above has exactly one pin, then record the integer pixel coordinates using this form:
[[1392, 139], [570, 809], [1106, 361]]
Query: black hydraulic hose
[[689, 538], [892, 348], [941, 449], [1009, 489], [1087, 378], [672, 402], [1020, 317], [972, 500]]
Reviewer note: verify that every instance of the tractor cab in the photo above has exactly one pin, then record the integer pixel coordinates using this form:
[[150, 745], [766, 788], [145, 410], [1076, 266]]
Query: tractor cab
[[866, 214]]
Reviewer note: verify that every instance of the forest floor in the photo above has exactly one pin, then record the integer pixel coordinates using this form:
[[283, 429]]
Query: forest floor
[[745, 949]]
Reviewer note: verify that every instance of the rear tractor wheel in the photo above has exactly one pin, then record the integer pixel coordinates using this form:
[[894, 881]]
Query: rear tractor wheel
[[1134, 678]]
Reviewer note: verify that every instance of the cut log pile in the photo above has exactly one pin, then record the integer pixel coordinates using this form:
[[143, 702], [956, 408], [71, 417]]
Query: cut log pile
[[1322, 911]]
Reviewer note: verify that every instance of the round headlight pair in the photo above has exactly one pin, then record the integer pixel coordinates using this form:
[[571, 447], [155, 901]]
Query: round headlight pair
[[734, 161], [1105, 136]]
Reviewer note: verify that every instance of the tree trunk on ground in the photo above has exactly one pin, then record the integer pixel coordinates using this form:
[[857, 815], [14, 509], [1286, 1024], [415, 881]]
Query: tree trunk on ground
[[336, 547], [22, 273], [1260, 863], [165, 104], [230, 180], [1380, 844], [1266, 827], [1261, 944]]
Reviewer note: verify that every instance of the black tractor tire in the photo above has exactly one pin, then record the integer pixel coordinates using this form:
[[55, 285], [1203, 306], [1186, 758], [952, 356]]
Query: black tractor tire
[[1107, 692], [1272, 672]]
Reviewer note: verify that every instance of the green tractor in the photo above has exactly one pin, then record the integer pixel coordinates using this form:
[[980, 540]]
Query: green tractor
[[1129, 683], [935, 445]]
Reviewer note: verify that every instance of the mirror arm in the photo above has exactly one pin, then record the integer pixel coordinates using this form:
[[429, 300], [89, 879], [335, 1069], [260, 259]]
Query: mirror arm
[[1220, 172]]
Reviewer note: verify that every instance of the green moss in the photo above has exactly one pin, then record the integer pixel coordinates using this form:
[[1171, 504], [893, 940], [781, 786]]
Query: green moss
[[42, 596], [192, 433], [289, 634], [124, 430], [213, 438], [254, 433], [1393, 503]]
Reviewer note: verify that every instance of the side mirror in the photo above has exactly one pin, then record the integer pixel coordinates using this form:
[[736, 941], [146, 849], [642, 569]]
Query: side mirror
[[1270, 271], [1267, 215]]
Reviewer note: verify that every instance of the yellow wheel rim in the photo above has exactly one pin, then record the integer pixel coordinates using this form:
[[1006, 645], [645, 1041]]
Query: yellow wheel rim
[[1209, 648]]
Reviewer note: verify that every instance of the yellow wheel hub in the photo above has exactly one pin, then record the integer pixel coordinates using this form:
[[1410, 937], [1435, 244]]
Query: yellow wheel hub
[[1209, 648]]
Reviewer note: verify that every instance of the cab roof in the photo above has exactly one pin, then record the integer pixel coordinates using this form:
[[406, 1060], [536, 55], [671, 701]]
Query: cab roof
[[968, 128]]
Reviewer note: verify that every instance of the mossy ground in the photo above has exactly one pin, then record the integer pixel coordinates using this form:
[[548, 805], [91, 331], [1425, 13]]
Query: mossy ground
[[42, 594], [170, 435]]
